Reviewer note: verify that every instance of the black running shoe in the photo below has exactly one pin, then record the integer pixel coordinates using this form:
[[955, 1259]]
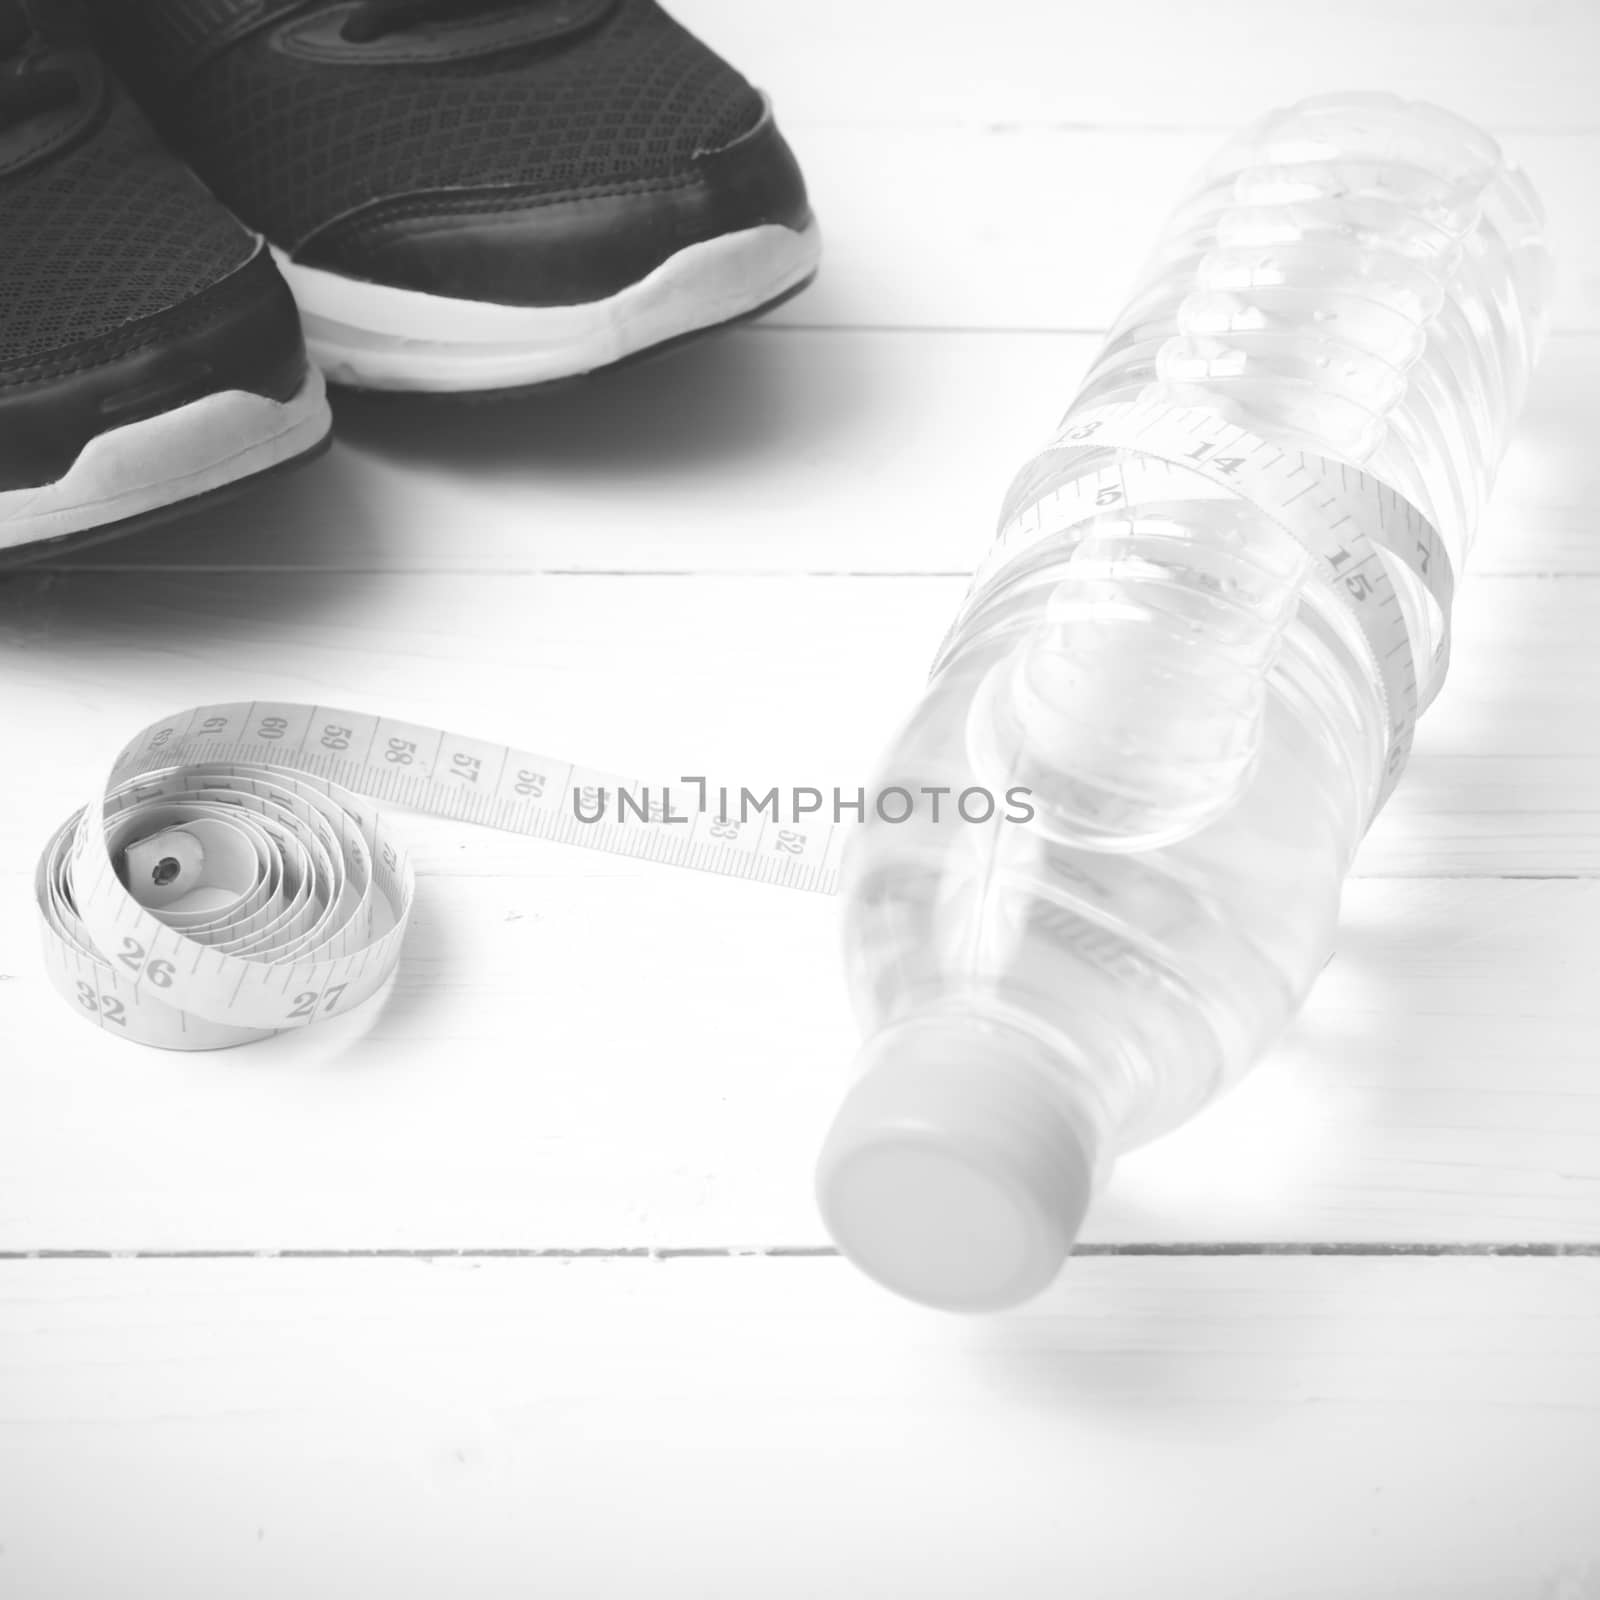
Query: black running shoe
[[150, 352], [478, 194]]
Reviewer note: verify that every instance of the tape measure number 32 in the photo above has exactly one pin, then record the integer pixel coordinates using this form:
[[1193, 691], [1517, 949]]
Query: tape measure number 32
[[235, 880]]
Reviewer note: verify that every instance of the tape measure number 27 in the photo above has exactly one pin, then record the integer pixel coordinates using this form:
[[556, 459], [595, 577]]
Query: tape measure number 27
[[237, 878]]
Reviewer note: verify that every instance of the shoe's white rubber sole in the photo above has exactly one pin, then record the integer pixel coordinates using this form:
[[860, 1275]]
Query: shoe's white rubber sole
[[373, 336], [163, 460]]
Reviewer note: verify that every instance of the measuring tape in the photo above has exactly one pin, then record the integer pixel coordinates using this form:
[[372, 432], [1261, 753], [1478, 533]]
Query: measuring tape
[[235, 878], [1342, 516]]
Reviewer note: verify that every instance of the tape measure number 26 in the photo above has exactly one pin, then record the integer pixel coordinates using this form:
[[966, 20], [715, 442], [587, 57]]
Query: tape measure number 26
[[236, 878]]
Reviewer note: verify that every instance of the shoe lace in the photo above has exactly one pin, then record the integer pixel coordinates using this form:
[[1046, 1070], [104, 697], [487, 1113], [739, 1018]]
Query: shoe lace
[[26, 94], [371, 19]]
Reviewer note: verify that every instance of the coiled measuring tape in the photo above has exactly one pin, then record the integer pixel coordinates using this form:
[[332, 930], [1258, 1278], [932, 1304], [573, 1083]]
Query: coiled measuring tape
[[237, 878]]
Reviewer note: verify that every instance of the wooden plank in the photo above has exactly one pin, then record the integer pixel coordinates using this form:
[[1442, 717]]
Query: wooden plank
[[592, 1050], [649, 1058], [1047, 228], [1325, 1429], [754, 680], [771, 451], [581, 1050], [1153, 63]]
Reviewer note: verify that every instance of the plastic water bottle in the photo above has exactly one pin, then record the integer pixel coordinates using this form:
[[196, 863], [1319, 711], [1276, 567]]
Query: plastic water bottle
[[1218, 602]]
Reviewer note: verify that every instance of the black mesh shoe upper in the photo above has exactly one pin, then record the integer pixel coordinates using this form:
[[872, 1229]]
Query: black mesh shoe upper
[[99, 224], [126, 289], [294, 138], [316, 118]]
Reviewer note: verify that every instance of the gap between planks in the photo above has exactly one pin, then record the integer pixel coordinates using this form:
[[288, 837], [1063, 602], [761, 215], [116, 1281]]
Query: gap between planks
[[1542, 1250], [264, 569]]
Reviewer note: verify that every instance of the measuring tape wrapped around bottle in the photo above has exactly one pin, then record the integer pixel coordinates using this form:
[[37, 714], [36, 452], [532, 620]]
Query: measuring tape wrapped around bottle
[[1374, 548], [237, 879]]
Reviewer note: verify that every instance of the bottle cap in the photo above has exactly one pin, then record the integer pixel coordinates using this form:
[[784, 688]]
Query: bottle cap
[[952, 1174]]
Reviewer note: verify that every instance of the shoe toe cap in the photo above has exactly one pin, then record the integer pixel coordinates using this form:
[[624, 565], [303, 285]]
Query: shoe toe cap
[[512, 246], [242, 333]]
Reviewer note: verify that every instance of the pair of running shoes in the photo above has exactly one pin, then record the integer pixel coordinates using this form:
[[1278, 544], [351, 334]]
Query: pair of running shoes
[[208, 207]]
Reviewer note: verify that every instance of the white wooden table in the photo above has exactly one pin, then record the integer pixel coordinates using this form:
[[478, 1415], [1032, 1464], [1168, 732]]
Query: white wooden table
[[511, 1284]]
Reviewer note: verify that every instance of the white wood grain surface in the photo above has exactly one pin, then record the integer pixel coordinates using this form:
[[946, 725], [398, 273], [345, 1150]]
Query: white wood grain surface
[[722, 1429], [628, 1059], [924, 259], [1287, 1365], [1512, 65]]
